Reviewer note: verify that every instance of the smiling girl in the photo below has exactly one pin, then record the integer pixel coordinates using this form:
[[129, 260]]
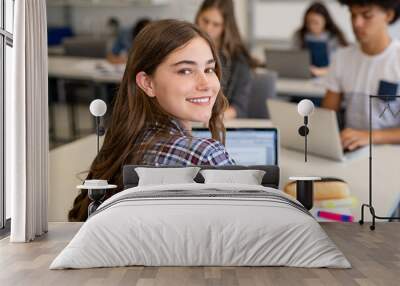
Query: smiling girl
[[172, 78]]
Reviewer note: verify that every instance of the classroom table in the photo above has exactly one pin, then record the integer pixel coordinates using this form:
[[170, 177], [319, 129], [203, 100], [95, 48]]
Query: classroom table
[[89, 69], [94, 74], [385, 186], [310, 88], [100, 71], [69, 161]]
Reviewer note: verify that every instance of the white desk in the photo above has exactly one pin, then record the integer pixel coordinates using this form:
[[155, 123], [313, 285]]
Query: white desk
[[68, 160], [300, 87], [101, 71], [56, 50], [68, 166], [97, 70], [386, 186]]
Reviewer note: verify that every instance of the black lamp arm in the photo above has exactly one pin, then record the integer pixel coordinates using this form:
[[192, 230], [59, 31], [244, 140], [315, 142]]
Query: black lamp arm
[[97, 132], [303, 131]]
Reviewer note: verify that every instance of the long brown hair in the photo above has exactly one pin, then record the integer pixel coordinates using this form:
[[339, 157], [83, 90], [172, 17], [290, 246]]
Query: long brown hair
[[232, 45], [330, 25], [134, 111]]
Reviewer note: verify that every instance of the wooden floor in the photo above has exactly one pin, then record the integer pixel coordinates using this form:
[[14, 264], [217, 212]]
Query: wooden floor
[[374, 255]]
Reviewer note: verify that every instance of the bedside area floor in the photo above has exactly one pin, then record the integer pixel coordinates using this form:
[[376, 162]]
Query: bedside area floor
[[374, 255]]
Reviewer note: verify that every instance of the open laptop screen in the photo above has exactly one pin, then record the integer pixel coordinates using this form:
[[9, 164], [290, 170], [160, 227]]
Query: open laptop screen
[[248, 146]]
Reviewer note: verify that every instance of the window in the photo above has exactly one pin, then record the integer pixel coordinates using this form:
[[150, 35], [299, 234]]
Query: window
[[9, 16], [6, 62]]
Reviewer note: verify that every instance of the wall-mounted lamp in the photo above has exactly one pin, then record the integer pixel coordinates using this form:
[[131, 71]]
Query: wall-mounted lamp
[[98, 108], [305, 108]]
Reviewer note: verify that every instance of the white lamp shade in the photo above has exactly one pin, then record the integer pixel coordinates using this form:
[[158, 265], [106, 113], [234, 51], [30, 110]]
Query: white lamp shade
[[305, 107], [98, 107]]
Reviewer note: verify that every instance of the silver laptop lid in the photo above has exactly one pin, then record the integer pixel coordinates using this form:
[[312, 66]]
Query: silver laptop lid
[[289, 63], [324, 136]]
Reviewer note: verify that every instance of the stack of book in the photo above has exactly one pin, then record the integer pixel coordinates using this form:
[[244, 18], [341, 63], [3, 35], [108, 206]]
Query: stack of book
[[332, 200]]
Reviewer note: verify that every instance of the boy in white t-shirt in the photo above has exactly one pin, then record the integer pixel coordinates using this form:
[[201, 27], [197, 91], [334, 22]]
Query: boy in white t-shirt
[[370, 67]]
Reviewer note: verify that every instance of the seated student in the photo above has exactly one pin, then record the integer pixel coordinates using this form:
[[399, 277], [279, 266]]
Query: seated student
[[321, 35], [217, 18], [112, 27], [363, 69], [171, 79], [123, 42]]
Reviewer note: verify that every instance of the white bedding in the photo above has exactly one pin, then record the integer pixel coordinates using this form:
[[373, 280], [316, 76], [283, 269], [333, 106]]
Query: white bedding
[[182, 230]]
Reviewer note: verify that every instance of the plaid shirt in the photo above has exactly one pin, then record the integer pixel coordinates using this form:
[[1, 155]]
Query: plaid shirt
[[181, 149]]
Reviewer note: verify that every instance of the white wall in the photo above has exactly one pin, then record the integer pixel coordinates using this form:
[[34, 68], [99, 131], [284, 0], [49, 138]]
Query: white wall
[[278, 20], [395, 30], [93, 19], [273, 19]]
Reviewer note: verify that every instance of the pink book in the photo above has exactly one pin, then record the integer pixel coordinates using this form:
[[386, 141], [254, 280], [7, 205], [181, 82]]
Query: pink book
[[335, 216]]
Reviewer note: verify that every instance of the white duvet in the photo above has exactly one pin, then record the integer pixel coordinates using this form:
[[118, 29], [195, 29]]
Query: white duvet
[[184, 230]]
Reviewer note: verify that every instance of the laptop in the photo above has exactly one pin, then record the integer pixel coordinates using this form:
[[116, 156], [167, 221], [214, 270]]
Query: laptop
[[85, 47], [324, 137], [248, 146], [289, 63]]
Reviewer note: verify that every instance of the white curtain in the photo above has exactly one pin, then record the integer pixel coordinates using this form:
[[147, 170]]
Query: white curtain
[[27, 123]]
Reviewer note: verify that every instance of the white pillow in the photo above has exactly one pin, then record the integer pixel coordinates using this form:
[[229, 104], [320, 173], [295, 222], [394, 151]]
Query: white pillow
[[248, 177], [164, 176]]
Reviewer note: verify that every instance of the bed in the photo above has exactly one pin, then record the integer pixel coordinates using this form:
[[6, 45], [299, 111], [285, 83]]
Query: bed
[[201, 224]]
